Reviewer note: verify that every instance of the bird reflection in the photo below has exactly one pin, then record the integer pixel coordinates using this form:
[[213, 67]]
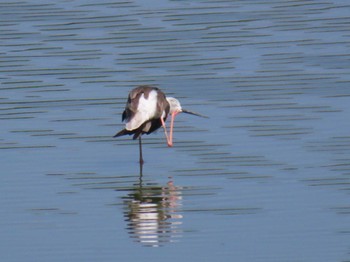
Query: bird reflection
[[153, 213]]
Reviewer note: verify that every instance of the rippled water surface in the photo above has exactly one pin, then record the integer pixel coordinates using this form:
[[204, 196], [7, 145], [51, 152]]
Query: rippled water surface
[[265, 178]]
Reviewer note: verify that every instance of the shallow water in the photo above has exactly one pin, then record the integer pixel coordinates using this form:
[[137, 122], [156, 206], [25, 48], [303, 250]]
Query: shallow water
[[266, 178]]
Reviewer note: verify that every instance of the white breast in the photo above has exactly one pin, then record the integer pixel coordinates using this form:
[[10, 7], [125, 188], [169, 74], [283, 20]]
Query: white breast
[[146, 110]]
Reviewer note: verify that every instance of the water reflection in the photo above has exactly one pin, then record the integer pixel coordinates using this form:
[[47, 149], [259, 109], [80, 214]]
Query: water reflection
[[153, 213]]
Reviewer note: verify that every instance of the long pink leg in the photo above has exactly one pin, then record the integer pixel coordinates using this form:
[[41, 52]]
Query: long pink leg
[[171, 128], [165, 132], [170, 143]]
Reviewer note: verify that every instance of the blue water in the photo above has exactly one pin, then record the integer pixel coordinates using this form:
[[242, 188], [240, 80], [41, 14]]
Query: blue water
[[265, 178]]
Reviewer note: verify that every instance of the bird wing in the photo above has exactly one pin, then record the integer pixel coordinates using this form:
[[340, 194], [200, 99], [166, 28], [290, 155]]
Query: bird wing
[[144, 109], [140, 107], [163, 106], [131, 104]]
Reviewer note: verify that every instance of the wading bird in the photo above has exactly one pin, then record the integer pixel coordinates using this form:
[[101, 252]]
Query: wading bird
[[146, 110]]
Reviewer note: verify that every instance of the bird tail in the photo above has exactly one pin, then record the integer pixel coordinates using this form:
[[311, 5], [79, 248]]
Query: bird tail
[[124, 132]]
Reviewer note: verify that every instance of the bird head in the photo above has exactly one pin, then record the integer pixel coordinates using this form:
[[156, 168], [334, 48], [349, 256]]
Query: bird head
[[175, 106]]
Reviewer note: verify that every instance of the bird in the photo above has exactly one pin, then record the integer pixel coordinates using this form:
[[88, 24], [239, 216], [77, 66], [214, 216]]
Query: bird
[[146, 110]]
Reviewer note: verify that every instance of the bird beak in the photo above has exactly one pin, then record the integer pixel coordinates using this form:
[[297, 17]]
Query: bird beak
[[193, 113]]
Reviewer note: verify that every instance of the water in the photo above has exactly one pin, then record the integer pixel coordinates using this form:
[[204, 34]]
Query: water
[[266, 178]]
